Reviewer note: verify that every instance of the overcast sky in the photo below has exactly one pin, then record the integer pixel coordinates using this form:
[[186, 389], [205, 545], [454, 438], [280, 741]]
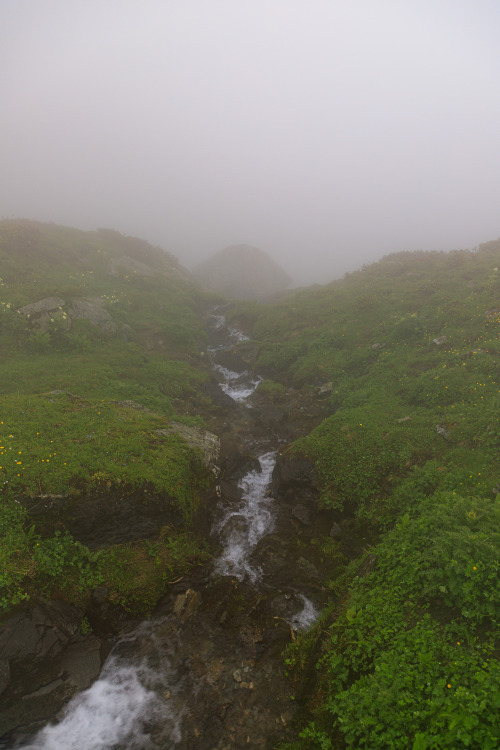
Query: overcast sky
[[325, 132]]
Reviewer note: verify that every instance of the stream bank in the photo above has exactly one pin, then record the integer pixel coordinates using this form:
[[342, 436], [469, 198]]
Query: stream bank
[[206, 671]]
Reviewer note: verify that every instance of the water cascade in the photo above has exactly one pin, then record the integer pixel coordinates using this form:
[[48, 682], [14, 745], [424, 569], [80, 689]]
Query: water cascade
[[151, 684]]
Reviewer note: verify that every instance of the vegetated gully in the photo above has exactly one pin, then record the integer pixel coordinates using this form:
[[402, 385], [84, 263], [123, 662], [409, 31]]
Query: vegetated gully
[[206, 672]]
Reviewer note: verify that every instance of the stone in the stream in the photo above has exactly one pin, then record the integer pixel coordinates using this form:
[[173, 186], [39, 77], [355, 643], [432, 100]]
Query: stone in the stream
[[286, 605], [302, 514], [186, 605]]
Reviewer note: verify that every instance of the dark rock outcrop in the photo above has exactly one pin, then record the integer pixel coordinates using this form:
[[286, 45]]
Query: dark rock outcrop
[[114, 516], [44, 660], [292, 476]]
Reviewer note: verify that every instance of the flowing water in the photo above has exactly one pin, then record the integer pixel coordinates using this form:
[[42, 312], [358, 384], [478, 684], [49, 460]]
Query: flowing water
[[133, 692], [241, 528], [238, 385], [145, 688]]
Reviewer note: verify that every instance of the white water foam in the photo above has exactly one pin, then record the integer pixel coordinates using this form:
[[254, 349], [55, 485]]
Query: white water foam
[[244, 527], [117, 709], [234, 333], [238, 385], [307, 615]]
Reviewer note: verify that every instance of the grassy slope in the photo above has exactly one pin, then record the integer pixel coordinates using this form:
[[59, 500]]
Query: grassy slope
[[60, 443], [409, 448]]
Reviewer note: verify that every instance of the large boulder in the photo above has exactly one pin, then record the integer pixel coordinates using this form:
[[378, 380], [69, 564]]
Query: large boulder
[[92, 309], [44, 660], [195, 437], [242, 272], [44, 312], [295, 479]]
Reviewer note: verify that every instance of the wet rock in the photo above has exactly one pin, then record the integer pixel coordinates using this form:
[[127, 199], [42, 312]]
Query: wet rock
[[302, 514], [239, 463], [187, 604], [81, 661], [44, 305], [267, 414], [214, 392], [34, 637], [324, 390], [230, 361], [271, 554], [44, 662], [105, 616], [286, 605], [293, 473], [307, 570], [335, 531], [45, 312], [112, 516]]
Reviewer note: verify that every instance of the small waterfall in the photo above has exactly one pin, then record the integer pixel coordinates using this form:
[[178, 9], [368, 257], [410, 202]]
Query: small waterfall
[[243, 527], [307, 615], [238, 385], [146, 686], [133, 693]]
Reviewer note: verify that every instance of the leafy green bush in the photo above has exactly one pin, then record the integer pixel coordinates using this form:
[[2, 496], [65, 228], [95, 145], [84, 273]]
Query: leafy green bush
[[427, 690], [15, 559], [410, 662], [62, 560]]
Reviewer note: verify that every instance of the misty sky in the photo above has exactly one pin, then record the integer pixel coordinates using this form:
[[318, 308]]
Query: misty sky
[[325, 132]]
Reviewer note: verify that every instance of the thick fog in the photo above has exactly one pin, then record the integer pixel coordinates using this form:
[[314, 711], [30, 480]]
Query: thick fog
[[326, 132]]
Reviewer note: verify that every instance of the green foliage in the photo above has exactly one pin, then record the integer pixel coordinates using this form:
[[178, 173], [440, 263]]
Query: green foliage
[[274, 391], [409, 447], [360, 461], [154, 307], [15, 559], [136, 574], [155, 563], [408, 663], [426, 691], [62, 560], [61, 444]]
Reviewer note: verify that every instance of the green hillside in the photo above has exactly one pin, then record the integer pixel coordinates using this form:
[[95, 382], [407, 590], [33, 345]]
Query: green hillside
[[405, 354], [100, 337]]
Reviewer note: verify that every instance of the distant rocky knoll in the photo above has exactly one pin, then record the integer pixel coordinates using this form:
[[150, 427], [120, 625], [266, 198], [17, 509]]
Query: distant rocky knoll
[[242, 272]]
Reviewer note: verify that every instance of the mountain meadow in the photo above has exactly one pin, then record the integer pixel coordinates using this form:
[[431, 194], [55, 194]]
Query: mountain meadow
[[388, 383]]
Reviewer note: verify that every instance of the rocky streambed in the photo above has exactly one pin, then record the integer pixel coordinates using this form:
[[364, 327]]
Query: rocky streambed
[[206, 671]]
